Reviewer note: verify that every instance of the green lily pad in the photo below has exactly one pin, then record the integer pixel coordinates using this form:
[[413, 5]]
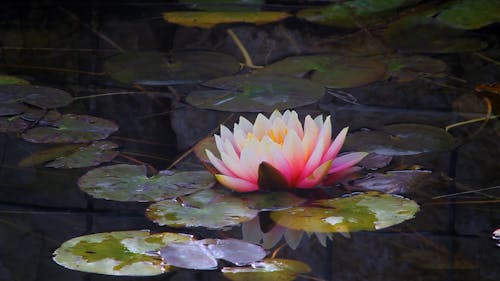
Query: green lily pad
[[267, 270], [9, 109], [12, 80], [333, 71], [212, 18], [47, 155], [13, 124], [71, 128], [409, 68], [366, 211], [130, 183], [270, 201], [87, 156], [157, 69], [39, 96], [256, 93], [401, 139], [206, 208], [117, 253], [471, 14], [393, 182], [203, 254]]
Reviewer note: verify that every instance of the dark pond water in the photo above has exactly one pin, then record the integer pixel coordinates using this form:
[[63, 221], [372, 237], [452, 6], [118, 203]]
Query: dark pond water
[[396, 74]]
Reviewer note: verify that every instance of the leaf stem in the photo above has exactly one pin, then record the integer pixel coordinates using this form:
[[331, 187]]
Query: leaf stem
[[243, 50]]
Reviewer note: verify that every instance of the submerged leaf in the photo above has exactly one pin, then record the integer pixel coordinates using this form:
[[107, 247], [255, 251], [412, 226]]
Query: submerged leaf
[[210, 19], [130, 183], [49, 154], [267, 270], [39, 96]]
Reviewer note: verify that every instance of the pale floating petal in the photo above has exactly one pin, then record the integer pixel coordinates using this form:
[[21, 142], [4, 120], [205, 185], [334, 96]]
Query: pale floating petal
[[336, 145], [316, 177], [236, 184], [218, 164], [346, 161], [261, 126]]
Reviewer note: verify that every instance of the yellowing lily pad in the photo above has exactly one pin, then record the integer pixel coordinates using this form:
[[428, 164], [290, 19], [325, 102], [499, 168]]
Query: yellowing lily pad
[[117, 253], [471, 14], [206, 208], [131, 183], [401, 139], [12, 80], [71, 128], [366, 211], [210, 19], [267, 270], [159, 69], [256, 93], [39, 96]]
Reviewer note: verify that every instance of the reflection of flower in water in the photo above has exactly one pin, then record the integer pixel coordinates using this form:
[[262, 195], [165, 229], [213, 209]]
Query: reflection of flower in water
[[496, 236], [279, 152]]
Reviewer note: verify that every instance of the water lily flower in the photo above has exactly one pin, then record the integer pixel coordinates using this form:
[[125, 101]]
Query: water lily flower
[[278, 152]]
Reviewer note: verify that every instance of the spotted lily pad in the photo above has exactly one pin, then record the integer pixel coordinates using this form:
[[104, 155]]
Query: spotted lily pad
[[203, 254], [210, 19], [130, 183], [333, 71], [269, 201], [267, 270], [87, 156], [395, 182], [39, 96], [71, 128], [12, 80], [366, 211], [206, 208], [470, 14], [117, 253], [256, 93], [157, 69], [401, 139]]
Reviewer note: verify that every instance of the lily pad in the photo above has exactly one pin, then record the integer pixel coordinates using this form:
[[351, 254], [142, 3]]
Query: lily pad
[[267, 270], [394, 182], [330, 70], [470, 14], [50, 154], [206, 208], [117, 253], [130, 183], [8, 109], [12, 80], [409, 68], [270, 201], [203, 254], [87, 156], [256, 93], [33, 114], [401, 139], [71, 128], [39, 96], [12, 124], [374, 161], [366, 211], [210, 19], [157, 69]]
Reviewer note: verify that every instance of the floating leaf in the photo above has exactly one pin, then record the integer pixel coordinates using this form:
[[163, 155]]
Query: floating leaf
[[12, 125], [12, 80], [270, 201], [267, 270], [157, 69], [256, 93], [117, 253], [8, 109], [203, 254], [210, 19], [39, 96], [205, 208], [394, 182], [87, 156], [409, 68], [471, 14], [43, 116], [71, 128], [333, 71], [130, 183], [401, 139], [46, 155], [367, 211]]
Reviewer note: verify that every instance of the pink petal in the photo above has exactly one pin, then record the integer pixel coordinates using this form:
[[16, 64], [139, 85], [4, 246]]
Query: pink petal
[[277, 159], [311, 132], [316, 177], [250, 158], [322, 143], [346, 161], [336, 145], [233, 164], [292, 150], [236, 184], [240, 137], [218, 164]]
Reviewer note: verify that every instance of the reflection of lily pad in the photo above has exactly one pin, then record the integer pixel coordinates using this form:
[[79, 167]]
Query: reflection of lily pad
[[210, 19], [269, 201], [203, 254], [368, 211], [401, 139], [397, 182], [156, 69], [117, 253], [12, 125], [329, 70], [471, 14], [267, 270], [92, 155], [39, 96], [130, 183], [256, 93], [72, 128], [12, 80], [206, 208]]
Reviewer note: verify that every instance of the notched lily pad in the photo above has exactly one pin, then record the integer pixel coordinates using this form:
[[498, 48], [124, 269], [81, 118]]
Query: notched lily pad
[[39, 96], [394, 182], [206, 208], [157, 69], [71, 128], [401, 139], [367, 211], [130, 183], [267, 270], [117, 253], [256, 93]]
